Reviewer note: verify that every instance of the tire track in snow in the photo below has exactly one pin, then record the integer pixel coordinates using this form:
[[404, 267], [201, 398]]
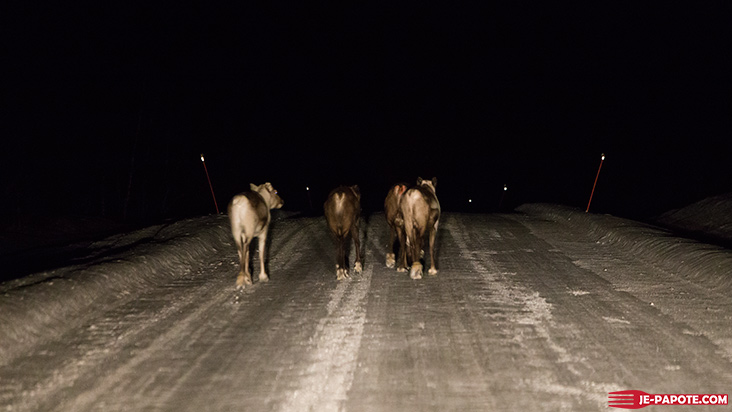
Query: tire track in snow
[[326, 382], [537, 313]]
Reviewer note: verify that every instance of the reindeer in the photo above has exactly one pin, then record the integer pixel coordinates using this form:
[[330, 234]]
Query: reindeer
[[396, 224], [250, 217], [343, 211], [421, 214]]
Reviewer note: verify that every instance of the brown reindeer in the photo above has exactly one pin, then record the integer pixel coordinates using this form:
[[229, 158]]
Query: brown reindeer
[[249, 215], [396, 224], [343, 211], [421, 213]]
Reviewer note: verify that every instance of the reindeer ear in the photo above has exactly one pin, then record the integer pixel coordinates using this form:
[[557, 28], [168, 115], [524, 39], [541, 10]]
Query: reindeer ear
[[419, 181], [357, 191], [253, 187], [434, 181], [269, 187]]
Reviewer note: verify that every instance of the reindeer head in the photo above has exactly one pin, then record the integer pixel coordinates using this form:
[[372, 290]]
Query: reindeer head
[[274, 201], [430, 184], [356, 191]]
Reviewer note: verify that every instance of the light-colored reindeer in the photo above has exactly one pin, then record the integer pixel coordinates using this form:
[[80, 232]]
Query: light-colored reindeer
[[250, 217]]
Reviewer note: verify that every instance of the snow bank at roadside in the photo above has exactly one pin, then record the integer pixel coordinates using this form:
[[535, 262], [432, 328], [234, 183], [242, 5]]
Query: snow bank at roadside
[[706, 265], [711, 217], [44, 305]]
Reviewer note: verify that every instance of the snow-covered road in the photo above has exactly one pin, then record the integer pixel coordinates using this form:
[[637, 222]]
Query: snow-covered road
[[546, 309]]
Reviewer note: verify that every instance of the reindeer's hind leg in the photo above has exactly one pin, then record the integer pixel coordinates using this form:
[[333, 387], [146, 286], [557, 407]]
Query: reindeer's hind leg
[[390, 256], [358, 264], [263, 277], [402, 267], [433, 235], [244, 277], [415, 240], [433, 263], [341, 271]]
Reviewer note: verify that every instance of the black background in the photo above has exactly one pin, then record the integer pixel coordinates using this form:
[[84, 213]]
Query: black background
[[108, 107]]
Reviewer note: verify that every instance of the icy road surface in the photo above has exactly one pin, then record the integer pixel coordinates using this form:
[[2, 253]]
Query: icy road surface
[[544, 310]]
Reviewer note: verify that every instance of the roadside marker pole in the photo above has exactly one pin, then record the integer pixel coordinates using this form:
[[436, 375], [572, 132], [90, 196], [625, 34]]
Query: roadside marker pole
[[602, 159], [209, 184]]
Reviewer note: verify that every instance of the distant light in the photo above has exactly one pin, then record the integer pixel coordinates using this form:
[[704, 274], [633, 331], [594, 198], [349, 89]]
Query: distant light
[[505, 187], [470, 200], [202, 157], [307, 188]]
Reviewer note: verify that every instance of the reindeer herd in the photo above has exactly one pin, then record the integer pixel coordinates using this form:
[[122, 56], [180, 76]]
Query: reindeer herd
[[412, 215]]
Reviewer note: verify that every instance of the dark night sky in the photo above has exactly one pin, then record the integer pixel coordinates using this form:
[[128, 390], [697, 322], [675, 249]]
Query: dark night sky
[[97, 96]]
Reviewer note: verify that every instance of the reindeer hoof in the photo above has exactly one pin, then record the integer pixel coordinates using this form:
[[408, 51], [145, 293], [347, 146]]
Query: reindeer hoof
[[341, 274], [390, 260], [263, 277], [357, 267], [243, 280], [401, 270], [416, 272], [432, 272]]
